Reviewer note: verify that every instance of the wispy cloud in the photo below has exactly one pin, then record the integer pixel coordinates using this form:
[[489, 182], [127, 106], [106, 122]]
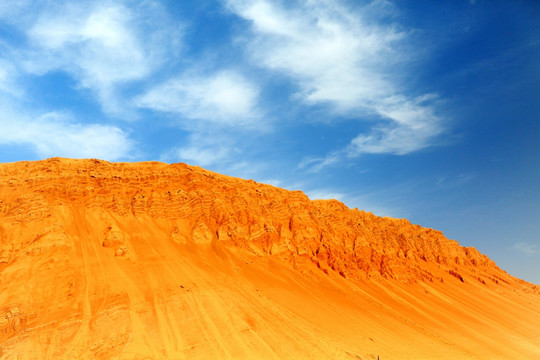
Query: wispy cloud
[[98, 46], [55, 134], [412, 127], [346, 60], [13, 10], [527, 248], [216, 108], [368, 202], [456, 180], [222, 98], [116, 52], [204, 149], [102, 45], [329, 53], [8, 85], [325, 195], [315, 164], [340, 59]]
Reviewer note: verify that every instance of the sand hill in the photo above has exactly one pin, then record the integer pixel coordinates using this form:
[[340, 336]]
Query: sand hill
[[104, 260]]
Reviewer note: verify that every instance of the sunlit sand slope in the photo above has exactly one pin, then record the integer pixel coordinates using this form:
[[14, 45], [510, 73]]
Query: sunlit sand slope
[[157, 261]]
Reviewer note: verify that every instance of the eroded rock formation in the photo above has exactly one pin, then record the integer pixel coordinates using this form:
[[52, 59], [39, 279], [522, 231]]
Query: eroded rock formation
[[88, 245]]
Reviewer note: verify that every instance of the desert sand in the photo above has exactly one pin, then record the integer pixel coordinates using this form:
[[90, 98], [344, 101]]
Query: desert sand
[[104, 260]]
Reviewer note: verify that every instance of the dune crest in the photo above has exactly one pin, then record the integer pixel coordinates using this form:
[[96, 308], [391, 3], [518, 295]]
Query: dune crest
[[156, 261]]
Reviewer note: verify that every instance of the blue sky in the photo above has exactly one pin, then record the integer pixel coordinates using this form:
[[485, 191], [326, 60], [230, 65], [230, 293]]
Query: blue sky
[[427, 110]]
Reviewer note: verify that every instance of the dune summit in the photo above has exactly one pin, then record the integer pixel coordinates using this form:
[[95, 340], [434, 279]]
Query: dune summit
[[104, 260]]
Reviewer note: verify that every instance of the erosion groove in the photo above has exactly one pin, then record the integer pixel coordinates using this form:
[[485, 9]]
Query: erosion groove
[[157, 261]]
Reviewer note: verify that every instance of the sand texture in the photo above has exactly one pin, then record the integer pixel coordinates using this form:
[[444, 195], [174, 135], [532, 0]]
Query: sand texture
[[104, 260]]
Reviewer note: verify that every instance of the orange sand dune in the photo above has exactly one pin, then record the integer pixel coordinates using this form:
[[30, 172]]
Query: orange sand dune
[[155, 261]]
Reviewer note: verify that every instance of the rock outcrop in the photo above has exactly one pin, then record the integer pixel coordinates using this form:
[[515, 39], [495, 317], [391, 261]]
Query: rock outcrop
[[81, 243], [203, 207]]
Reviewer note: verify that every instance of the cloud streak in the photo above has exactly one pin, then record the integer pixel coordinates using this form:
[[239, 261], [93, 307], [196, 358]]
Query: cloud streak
[[340, 59], [126, 55], [117, 52], [8, 85], [216, 108], [223, 98], [526, 248], [205, 148], [103, 46], [55, 134]]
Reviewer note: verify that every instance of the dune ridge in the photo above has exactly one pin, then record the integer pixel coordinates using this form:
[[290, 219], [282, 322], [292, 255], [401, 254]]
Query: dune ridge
[[156, 261]]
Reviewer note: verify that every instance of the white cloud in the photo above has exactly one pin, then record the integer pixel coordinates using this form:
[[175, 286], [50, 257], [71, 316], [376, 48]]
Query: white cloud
[[204, 147], [54, 134], [102, 45], [332, 55], [225, 98], [273, 182], [114, 49], [12, 10], [342, 58], [8, 85], [526, 248], [203, 156], [368, 202], [324, 195], [317, 164], [196, 154], [82, 39]]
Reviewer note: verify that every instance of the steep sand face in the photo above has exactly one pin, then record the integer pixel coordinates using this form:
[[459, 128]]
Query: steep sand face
[[157, 261]]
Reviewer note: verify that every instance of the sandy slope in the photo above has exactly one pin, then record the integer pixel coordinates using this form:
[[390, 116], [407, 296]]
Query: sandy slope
[[149, 261]]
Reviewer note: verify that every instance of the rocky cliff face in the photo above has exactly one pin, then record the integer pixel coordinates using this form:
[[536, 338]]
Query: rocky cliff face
[[199, 206], [74, 234]]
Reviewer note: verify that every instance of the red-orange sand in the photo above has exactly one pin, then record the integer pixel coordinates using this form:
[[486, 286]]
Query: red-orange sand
[[157, 261]]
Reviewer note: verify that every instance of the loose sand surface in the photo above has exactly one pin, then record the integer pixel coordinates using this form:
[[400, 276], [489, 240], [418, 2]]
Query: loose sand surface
[[87, 272]]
